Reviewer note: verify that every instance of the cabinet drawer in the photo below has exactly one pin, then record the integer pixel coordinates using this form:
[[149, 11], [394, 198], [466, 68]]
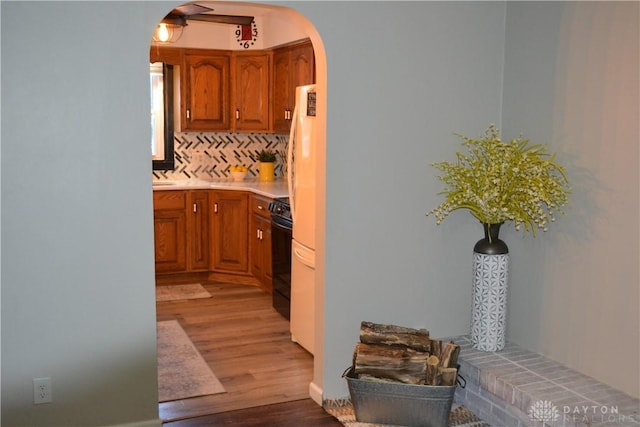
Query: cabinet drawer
[[169, 200], [260, 206]]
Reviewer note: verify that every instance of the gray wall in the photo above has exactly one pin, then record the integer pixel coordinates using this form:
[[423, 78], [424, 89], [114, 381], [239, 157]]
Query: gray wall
[[77, 255], [571, 79], [78, 299], [402, 77]]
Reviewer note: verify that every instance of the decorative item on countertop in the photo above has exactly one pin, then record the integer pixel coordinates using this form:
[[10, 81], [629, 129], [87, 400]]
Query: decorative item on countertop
[[238, 172], [497, 182], [266, 167]]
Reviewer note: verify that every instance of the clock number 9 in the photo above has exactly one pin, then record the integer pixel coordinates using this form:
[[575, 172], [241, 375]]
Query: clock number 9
[[238, 32]]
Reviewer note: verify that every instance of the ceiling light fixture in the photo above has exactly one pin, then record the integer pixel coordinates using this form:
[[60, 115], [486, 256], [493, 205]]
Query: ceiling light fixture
[[167, 33]]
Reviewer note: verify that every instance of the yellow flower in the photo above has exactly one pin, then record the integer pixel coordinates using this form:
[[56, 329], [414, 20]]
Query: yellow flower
[[501, 181]]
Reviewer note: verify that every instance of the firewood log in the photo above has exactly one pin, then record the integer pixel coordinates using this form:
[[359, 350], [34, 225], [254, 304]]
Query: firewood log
[[448, 376], [431, 377], [436, 347], [397, 363], [449, 355], [374, 333]]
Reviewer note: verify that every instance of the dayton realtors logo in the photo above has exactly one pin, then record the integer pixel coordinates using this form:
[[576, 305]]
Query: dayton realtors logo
[[546, 412]]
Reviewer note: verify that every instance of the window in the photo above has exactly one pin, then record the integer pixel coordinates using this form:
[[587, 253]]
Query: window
[[161, 87]]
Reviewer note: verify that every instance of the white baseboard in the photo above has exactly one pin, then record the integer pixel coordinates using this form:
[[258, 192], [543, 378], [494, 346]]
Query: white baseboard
[[315, 392], [148, 423]]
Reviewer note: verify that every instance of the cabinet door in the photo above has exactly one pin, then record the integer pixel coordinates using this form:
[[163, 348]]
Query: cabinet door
[[266, 248], [293, 66], [302, 66], [170, 231], [281, 91], [260, 241], [257, 258], [230, 219], [206, 92], [251, 74], [199, 237]]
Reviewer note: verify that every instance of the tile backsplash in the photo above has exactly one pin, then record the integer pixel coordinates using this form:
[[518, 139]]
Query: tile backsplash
[[204, 155]]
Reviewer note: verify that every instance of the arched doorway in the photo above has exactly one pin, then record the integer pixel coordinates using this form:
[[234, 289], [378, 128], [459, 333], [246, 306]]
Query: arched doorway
[[290, 26]]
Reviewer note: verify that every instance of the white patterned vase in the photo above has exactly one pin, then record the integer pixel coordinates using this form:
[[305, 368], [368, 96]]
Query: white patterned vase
[[490, 279]]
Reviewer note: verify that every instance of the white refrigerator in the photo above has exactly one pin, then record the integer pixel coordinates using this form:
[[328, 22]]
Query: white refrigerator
[[301, 170]]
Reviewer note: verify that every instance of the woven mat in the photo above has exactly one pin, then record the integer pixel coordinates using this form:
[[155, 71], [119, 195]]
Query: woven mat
[[181, 292], [342, 410], [182, 372]]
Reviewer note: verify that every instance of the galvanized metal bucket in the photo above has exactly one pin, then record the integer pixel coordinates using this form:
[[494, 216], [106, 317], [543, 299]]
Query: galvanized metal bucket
[[400, 404]]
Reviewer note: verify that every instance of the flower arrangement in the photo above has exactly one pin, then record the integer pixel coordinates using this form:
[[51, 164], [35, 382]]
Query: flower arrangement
[[499, 181]]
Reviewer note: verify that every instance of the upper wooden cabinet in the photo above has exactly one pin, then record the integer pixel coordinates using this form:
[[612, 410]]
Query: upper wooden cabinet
[[238, 91], [225, 91], [205, 92], [293, 66], [251, 75]]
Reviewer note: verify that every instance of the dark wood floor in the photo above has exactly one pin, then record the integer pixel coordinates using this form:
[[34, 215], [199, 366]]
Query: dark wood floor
[[300, 413], [248, 346]]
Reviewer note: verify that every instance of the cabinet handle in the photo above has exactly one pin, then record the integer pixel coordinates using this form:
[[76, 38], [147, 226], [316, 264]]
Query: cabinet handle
[[260, 207], [188, 113], [237, 114], [195, 208], [260, 234], [215, 208]]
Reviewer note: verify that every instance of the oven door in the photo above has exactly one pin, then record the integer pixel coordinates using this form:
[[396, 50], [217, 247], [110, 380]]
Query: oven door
[[281, 235]]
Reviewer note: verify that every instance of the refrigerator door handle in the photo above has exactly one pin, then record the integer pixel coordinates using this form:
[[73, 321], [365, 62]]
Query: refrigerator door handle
[[304, 255], [290, 172]]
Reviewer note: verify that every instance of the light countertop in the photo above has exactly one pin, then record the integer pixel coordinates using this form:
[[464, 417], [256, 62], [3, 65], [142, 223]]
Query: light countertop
[[274, 189]]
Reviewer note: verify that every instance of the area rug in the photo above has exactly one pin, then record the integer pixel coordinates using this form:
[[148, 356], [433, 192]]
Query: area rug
[[180, 292], [342, 410], [182, 372]]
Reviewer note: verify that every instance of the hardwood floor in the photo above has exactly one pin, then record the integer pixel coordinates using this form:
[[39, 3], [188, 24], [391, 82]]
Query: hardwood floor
[[248, 346], [299, 413]]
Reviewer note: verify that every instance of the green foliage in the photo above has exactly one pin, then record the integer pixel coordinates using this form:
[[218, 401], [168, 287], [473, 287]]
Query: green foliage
[[500, 181], [267, 156]]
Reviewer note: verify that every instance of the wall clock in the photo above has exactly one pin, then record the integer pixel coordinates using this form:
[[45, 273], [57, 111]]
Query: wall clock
[[246, 35]]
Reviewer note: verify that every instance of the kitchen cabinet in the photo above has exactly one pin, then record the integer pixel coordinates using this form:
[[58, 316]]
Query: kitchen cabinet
[[260, 241], [293, 65], [181, 231], [205, 91], [229, 219], [251, 76], [198, 236], [170, 231], [225, 91]]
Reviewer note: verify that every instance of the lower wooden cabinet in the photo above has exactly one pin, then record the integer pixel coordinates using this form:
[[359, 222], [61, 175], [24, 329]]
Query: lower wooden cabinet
[[260, 241], [170, 231], [198, 235], [181, 231], [229, 221], [209, 232]]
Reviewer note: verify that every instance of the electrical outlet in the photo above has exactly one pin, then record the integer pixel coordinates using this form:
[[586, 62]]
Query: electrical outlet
[[42, 390]]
